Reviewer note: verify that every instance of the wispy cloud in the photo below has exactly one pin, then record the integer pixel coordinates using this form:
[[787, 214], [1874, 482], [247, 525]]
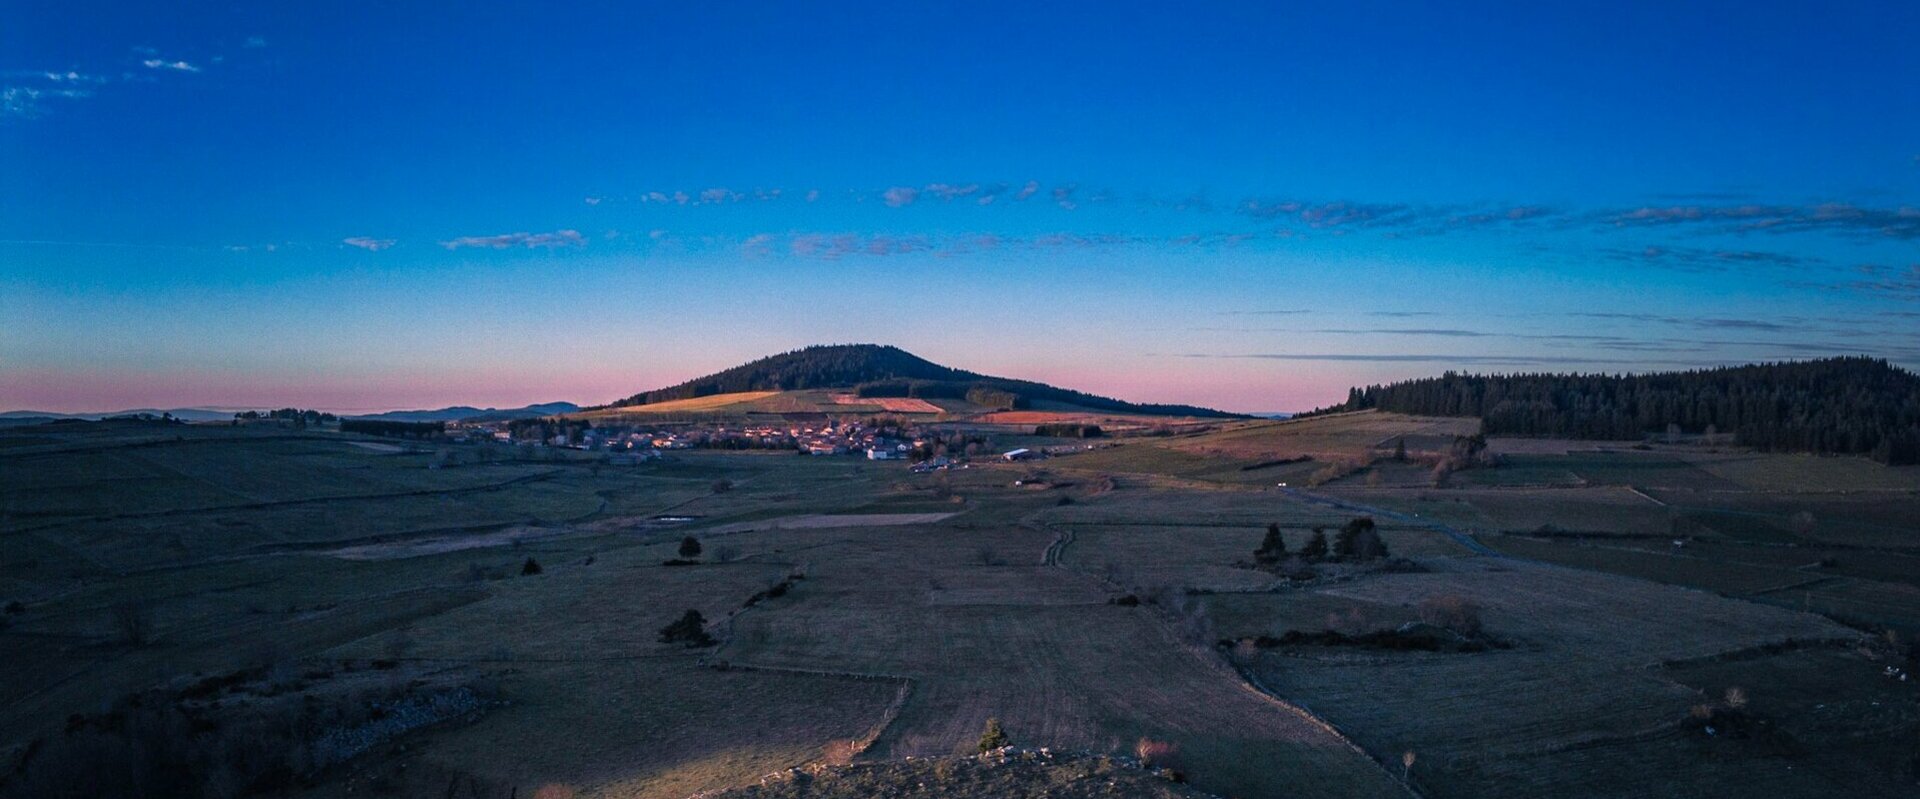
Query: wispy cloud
[[1707, 260], [1895, 283], [368, 243], [1843, 218], [949, 192], [25, 101], [1063, 196], [176, 66], [840, 245], [1701, 322], [900, 196], [25, 93], [254, 42], [1398, 219], [502, 241]]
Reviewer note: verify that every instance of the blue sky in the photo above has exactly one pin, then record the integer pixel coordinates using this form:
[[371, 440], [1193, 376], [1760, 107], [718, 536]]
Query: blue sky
[[1250, 206]]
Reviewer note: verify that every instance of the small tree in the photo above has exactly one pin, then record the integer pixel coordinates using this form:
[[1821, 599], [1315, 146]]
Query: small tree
[[1316, 547], [722, 486], [1359, 540], [1273, 548], [1400, 449], [689, 547], [1369, 545], [691, 628], [530, 568], [993, 737]]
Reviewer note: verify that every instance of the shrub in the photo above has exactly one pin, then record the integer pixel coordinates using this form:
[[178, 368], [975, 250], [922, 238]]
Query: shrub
[[689, 547], [690, 628], [530, 568], [1359, 539], [1454, 612], [1316, 547], [1273, 548], [722, 486], [993, 737], [1155, 754], [726, 554]]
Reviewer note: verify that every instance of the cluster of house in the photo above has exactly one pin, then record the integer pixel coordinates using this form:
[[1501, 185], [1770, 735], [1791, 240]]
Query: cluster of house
[[824, 438]]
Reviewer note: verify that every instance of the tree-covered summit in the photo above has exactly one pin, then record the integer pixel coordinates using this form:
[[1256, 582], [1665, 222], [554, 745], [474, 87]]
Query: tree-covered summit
[[884, 370]]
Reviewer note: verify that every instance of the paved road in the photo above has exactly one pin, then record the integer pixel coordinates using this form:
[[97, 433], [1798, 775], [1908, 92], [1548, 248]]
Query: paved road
[[1462, 538]]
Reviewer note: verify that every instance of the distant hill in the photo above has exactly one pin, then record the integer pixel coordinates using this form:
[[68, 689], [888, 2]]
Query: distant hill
[[460, 413], [874, 370], [183, 414], [1852, 405]]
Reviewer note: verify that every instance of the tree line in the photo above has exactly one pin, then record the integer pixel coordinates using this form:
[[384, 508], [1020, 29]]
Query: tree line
[[381, 427], [1849, 405]]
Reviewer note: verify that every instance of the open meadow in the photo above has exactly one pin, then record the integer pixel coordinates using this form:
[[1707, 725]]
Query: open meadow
[[438, 619]]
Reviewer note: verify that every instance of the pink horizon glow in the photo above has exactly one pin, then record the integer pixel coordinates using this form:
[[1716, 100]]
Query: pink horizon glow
[[99, 391]]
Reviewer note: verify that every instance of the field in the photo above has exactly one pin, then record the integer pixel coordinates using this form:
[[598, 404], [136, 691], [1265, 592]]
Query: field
[[863, 614], [1337, 435]]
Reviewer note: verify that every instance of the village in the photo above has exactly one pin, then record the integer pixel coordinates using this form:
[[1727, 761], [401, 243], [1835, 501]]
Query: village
[[875, 438]]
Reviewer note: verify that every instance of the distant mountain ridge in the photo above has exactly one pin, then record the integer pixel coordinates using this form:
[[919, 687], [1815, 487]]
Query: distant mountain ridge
[[184, 414], [1848, 405], [454, 413], [459, 413], [877, 370]]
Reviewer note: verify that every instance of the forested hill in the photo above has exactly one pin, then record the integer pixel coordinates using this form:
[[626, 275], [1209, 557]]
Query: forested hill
[[1853, 405], [875, 370]]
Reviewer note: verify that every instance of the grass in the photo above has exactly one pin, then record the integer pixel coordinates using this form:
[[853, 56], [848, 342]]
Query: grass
[[1017, 774], [908, 636], [693, 405], [1335, 435], [1608, 468], [1533, 720], [1682, 568]]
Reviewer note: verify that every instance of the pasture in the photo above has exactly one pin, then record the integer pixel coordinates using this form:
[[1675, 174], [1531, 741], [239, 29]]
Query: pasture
[[863, 614]]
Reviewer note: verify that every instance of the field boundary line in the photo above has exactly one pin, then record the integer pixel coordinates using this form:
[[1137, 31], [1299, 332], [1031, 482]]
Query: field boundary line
[[1245, 681], [1789, 644], [1252, 683], [1644, 495]]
